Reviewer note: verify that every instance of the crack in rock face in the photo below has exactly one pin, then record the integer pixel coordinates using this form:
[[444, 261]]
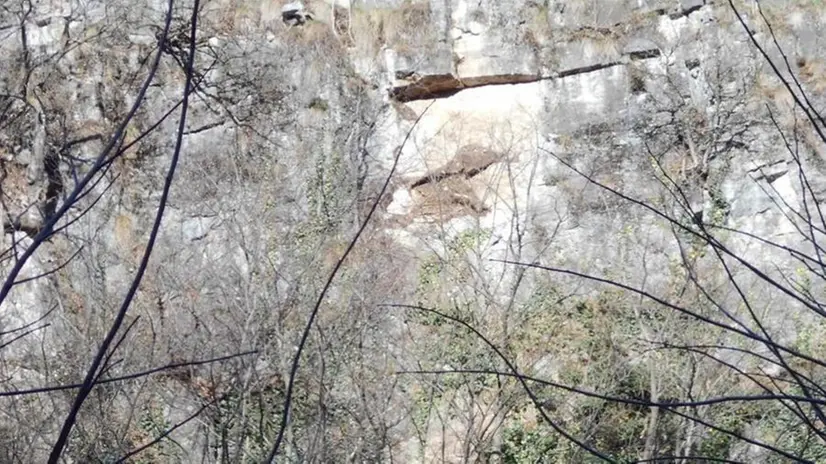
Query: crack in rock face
[[770, 171], [480, 58], [417, 87]]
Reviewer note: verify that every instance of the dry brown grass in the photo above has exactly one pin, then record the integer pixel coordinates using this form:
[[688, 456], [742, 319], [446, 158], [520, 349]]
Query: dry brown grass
[[538, 25], [813, 74], [400, 28], [812, 141], [232, 16], [778, 14], [603, 42], [768, 89], [15, 186], [123, 231], [313, 33]]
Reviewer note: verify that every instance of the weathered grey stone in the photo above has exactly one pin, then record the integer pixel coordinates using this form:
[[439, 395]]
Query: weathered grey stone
[[686, 5], [585, 53], [488, 55], [596, 83], [196, 228], [602, 13], [641, 47], [294, 13]]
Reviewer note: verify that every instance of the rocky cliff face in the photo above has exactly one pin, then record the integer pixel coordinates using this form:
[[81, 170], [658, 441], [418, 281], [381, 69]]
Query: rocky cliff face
[[615, 71], [514, 125], [620, 92]]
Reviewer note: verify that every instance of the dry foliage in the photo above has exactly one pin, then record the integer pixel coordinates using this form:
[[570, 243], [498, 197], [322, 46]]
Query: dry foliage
[[403, 29]]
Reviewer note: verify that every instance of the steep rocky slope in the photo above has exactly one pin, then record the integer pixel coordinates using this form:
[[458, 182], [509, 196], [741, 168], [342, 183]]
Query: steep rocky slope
[[514, 130]]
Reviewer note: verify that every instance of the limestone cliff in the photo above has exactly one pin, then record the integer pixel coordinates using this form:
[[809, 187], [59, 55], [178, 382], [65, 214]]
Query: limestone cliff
[[524, 131]]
